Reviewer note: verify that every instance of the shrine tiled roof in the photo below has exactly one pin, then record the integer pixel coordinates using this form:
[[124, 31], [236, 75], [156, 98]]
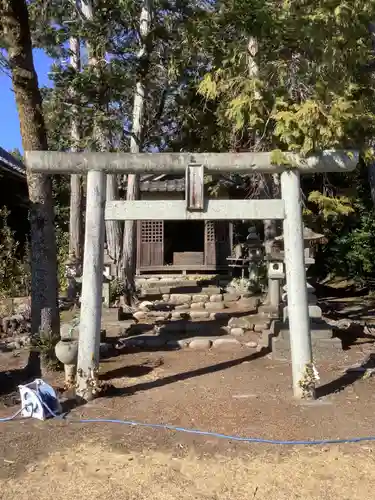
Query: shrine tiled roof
[[10, 164]]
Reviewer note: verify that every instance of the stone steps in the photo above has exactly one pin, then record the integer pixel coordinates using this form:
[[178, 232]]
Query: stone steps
[[203, 342]]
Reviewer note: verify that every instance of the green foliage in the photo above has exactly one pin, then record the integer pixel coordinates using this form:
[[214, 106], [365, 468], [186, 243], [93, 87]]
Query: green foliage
[[308, 86], [45, 347], [331, 206], [14, 268]]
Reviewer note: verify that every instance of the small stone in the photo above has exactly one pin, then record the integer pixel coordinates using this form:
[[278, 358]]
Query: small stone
[[200, 298], [197, 305], [200, 344], [140, 315], [145, 305], [176, 298], [216, 298], [237, 332], [211, 290], [260, 327], [166, 297], [244, 322], [182, 307], [231, 297], [177, 314], [252, 344], [226, 343], [199, 314], [214, 306]]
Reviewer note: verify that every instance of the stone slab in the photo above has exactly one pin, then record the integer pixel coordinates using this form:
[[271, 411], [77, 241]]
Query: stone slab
[[176, 298], [237, 332], [245, 322], [200, 298], [199, 344], [260, 327], [197, 305], [217, 297], [199, 314], [211, 290], [139, 315], [322, 349], [318, 331], [214, 306], [182, 307], [176, 315], [226, 343], [315, 312]]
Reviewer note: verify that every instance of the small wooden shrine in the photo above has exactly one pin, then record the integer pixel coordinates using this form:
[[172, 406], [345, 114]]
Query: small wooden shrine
[[191, 246]]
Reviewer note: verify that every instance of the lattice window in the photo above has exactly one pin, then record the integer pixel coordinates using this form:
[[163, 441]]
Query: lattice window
[[210, 231], [152, 231]]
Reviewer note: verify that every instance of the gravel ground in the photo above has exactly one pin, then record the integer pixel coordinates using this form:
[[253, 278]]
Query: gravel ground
[[236, 393]]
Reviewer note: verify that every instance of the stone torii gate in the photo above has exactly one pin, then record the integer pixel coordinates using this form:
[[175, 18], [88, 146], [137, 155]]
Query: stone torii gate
[[288, 208]]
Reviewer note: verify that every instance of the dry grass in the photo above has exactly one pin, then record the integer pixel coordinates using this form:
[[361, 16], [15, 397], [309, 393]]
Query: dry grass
[[91, 472]]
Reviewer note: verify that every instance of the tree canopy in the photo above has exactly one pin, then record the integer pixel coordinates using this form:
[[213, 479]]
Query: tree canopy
[[228, 75]]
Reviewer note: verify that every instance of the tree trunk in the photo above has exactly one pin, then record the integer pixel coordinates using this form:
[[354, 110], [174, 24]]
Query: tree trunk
[[76, 188], [113, 228], [129, 247], [44, 287]]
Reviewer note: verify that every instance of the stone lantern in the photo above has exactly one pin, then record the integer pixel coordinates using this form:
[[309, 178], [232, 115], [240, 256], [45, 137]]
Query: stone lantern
[[255, 253], [73, 271], [321, 333]]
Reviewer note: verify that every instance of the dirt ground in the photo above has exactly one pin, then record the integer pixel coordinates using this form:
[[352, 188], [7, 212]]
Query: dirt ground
[[236, 393]]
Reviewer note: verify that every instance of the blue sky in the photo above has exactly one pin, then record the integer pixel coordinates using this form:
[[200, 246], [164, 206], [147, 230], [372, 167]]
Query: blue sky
[[10, 136]]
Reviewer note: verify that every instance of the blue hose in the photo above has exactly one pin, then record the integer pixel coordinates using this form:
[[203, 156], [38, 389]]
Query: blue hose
[[199, 432]]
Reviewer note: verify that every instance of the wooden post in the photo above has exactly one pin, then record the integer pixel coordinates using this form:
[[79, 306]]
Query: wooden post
[[92, 280], [299, 323]]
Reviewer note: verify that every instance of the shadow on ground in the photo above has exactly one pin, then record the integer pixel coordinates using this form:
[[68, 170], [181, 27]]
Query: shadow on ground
[[351, 376], [144, 386]]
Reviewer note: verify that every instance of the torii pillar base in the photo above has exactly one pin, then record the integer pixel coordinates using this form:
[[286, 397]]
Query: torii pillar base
[[324, 344]]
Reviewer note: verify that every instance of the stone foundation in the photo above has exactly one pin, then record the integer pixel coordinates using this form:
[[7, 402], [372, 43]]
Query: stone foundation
[[324, 344], [210, 319]]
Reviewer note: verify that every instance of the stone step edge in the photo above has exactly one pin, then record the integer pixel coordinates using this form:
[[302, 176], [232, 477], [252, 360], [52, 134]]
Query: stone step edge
[[195, 342]]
